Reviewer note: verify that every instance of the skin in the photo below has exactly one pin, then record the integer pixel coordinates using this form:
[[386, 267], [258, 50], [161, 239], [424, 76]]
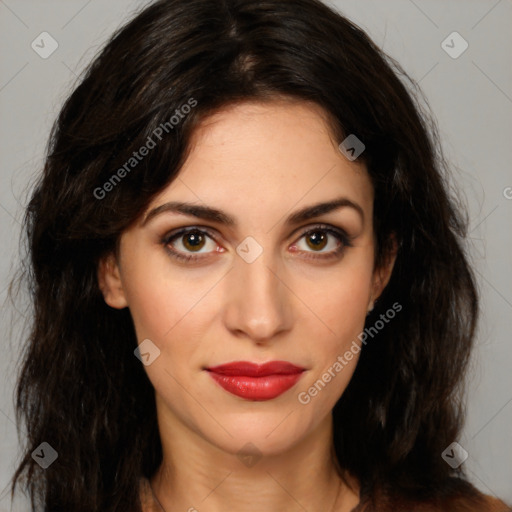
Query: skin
[[258, 163]]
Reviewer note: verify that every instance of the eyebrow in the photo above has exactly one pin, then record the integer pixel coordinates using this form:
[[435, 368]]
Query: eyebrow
[[215, 215]]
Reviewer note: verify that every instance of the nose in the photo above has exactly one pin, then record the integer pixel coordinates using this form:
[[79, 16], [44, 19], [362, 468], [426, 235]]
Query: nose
[[258, 302]]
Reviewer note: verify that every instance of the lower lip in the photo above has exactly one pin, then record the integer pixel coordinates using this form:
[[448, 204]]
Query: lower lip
[[256, 388]]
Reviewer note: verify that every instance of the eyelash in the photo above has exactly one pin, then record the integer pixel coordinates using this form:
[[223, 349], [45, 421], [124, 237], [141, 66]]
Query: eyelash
[[344, 239]]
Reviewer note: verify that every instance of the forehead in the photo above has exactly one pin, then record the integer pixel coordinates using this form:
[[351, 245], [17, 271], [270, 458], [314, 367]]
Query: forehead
[[288, 130], [271, 155]]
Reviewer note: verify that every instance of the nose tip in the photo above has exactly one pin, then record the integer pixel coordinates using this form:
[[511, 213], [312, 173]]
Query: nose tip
[[258, 303]]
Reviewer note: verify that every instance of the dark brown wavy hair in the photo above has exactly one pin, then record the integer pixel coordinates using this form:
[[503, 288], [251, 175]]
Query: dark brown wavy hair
[[80, 387]]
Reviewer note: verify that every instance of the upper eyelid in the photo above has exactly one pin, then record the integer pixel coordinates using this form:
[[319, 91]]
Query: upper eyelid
[[175, 233]]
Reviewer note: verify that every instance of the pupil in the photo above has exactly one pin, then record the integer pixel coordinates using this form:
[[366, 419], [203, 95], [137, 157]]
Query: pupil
[[193, 240], [317, 240]]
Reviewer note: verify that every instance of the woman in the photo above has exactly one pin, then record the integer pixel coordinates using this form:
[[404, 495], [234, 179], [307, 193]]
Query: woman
[[249, 286]]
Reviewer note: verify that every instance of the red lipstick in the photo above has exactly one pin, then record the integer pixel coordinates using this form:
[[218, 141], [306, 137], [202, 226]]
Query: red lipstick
[[256, 382]]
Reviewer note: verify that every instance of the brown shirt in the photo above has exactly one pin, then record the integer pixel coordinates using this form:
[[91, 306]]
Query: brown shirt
[[149, 504]]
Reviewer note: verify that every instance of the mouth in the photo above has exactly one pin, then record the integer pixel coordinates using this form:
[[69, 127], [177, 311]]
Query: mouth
[[257, 382]]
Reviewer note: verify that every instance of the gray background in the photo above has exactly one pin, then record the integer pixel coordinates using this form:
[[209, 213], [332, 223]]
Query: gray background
[[471, 97]]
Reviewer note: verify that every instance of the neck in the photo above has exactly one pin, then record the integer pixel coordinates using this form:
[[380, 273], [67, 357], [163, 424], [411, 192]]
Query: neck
[[195, 475]]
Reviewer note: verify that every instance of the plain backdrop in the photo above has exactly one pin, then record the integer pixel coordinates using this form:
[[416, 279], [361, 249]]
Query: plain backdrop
[[471, 97]]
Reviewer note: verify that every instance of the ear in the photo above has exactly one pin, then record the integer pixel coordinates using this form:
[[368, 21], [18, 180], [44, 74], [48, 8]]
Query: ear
[[109, 281], [382, 274]]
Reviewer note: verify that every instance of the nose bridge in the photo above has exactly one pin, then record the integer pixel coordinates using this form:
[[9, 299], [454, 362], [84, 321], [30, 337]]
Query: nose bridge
[[257, 302]]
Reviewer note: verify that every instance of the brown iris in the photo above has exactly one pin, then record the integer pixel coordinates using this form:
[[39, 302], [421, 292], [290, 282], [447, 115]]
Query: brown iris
[[193, 241], [316, 240]]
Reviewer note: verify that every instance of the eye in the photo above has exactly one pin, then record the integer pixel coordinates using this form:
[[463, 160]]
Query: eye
[[326, 241], [320, 242], [186, 244]]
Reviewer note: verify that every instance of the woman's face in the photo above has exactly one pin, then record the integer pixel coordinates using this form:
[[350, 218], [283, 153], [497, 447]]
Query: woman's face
[[263, 278]]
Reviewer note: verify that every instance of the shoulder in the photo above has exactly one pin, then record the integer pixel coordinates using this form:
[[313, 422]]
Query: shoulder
[[495, 505], [474, 501], [482, 503]]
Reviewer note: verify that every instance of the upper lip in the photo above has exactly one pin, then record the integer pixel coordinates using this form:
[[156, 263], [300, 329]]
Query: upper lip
[[250, 369]]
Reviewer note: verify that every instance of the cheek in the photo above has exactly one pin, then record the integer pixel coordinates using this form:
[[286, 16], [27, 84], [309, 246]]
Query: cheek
[[160, 301], [341, 305], [340, 298]]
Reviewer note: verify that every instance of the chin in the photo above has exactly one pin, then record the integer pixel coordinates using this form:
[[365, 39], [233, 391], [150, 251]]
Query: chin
[[267, 433]]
